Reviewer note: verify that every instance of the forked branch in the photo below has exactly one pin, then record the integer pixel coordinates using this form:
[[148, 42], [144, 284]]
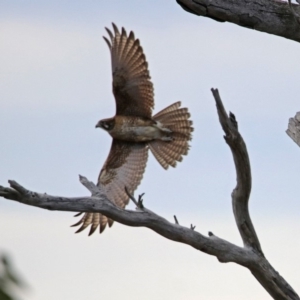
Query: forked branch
[[249, 256]]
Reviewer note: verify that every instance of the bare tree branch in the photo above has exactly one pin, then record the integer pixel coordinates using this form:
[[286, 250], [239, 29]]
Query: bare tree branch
[[249, 256], [293, 130], [176, 220], [241, 193], [224, 251], [240, 198], [274, 17]]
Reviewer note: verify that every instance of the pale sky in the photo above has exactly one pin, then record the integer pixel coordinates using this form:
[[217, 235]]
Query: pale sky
[[55, 84]]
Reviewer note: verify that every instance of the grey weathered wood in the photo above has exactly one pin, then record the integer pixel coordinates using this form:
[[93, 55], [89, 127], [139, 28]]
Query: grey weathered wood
[[250, 256], [293, 130], [241, 193], [223, 250], [276, 286], [270, 16]]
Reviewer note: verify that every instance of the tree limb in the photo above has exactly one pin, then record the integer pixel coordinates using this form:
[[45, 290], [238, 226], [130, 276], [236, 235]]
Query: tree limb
[[270, 16], [293, 130], [241, 193], [240, 197], [223, 250], [249, 256]]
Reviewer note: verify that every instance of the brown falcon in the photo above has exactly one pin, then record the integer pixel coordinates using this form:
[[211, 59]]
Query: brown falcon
[[134, 130]]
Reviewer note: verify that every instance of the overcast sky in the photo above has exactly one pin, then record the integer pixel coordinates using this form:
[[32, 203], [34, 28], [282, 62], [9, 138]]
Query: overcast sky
[[55, 84]]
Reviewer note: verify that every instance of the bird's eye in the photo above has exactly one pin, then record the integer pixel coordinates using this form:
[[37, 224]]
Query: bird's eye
[[105, 125]]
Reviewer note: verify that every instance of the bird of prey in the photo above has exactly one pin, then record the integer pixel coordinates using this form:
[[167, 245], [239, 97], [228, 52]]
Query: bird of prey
[[134, 130]]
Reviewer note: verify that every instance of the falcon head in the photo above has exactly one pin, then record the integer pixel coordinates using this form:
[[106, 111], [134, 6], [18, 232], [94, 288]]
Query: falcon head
[[106, 124]]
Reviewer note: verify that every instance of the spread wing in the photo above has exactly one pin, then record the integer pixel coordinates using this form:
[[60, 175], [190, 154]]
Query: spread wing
[[124, 166], [132, 87]]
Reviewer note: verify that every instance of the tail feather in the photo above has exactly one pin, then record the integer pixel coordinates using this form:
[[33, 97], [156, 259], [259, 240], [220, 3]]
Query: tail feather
[[174, 115], [155, 149], [176, 120], [170, 108]]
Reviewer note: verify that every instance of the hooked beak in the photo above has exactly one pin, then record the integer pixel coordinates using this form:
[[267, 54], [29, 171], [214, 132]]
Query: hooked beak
[[98, 125]]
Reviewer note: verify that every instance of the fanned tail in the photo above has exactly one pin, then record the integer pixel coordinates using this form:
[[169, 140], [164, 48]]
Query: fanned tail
[[176, 120]]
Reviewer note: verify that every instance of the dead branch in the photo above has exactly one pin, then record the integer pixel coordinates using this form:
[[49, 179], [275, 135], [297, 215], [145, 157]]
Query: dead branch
[[225, 251], [241, 193], [293, 130], [240, 197], [273, 17], [250, 256]]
